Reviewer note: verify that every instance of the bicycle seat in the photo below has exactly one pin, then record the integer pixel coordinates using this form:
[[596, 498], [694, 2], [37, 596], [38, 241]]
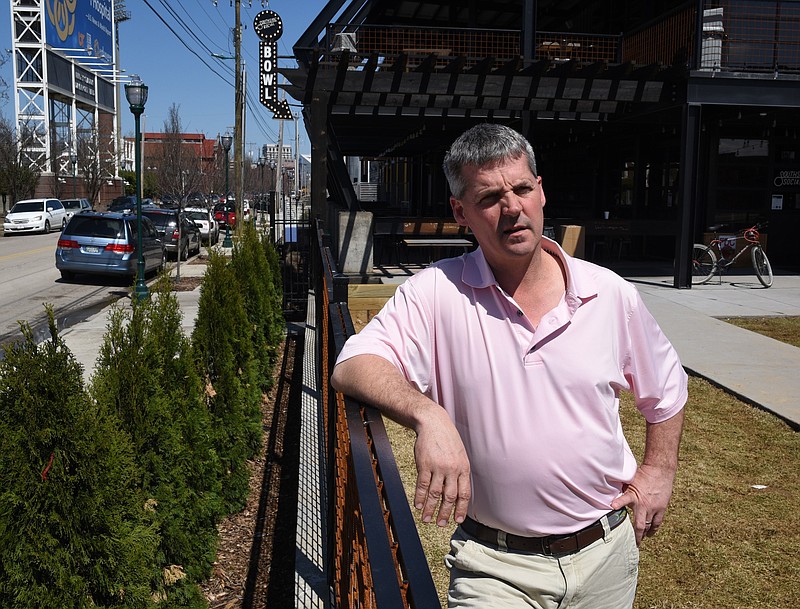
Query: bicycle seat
[[715, 228]]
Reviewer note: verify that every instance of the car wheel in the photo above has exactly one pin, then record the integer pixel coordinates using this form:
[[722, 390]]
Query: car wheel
[[67, 275], [46, 226]]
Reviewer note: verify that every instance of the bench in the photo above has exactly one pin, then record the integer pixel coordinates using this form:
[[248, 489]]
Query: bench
[[438, 247], [394, 235]]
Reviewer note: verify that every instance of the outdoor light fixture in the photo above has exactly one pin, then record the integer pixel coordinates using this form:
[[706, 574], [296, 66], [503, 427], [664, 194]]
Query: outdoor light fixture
[[226, 141], [136, 94]]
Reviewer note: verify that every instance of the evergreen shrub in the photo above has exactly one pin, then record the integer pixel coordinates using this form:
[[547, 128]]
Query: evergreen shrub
[[222, 342], [74, 531], [255, 276], [146, 375]]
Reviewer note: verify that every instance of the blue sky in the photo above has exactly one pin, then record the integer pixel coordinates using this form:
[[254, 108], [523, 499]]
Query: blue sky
[[174, 73]]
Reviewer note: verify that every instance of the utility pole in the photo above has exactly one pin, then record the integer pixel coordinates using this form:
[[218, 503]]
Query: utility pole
[[238, 158], [296, 158], [279, 182]]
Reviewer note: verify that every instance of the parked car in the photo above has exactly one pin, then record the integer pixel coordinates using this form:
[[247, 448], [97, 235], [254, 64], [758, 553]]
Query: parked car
[[127, 204], [204, 219], [75, 206], [225, 214], [35, 216], [105, 243], [167, 223]]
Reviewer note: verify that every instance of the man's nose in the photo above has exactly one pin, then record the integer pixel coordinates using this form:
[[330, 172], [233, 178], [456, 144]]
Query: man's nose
[[511, 204]]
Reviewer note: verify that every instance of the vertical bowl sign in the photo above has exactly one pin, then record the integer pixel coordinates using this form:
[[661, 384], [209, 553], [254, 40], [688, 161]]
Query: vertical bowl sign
[[269, 28]]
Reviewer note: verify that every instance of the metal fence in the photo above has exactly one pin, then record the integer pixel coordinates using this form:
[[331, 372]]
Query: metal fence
[[719, 35], [375, 556], [418, 43], [748, 36], [290, 229]]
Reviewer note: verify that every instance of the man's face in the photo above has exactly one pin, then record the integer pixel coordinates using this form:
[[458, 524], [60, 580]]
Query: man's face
[[503, 207]]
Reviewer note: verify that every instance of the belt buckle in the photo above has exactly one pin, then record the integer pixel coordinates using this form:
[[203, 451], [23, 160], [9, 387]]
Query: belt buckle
[[561, 548]]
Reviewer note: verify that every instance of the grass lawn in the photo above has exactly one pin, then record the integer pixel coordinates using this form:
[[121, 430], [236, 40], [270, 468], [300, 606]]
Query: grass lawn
[[784, 329], [726, 544]]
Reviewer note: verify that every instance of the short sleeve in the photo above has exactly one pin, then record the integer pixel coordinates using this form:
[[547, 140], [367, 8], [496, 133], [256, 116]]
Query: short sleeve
[[653, 368], [401, 333]]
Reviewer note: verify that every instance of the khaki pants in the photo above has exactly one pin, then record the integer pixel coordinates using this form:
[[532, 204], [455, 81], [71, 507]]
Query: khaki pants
[[601, 576]]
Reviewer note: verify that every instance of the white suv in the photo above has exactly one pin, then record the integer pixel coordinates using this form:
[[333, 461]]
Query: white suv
[[35, 216], [204, 218]]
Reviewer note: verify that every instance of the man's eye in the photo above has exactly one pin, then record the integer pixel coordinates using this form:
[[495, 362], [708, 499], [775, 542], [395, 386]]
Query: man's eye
[[523, 190]]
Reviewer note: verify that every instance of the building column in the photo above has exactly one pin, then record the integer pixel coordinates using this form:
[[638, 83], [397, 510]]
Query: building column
[[688, 194]]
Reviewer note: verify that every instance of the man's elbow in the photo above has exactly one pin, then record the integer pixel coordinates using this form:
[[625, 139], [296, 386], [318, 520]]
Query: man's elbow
[[337, 379]]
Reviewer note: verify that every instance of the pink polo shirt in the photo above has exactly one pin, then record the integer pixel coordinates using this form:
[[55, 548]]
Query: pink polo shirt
[[537, 408]]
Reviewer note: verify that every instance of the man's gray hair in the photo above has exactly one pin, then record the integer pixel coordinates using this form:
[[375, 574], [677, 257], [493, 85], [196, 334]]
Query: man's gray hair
[[481, 145]]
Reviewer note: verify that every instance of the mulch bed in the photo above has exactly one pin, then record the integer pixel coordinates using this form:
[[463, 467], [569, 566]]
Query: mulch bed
[[255, 557]]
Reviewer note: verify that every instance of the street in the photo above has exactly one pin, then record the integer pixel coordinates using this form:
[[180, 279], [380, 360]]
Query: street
[[29, 280]]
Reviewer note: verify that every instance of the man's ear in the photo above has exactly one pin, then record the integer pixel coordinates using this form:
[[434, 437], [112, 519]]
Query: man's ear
[[458, 211], [541, 191]]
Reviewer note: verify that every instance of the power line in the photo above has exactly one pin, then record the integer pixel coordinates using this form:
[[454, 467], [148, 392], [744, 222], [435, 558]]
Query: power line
[[255, 107], [183, 42]]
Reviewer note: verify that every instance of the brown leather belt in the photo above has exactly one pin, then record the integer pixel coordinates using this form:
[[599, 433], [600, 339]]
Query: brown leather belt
[[552, 545]]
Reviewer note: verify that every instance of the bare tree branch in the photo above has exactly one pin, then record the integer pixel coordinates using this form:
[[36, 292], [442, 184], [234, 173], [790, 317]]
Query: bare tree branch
[[18, 175]]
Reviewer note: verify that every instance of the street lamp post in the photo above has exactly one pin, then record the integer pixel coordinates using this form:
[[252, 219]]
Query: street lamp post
[[226, 141], [136, 94], [73, 158], [271, 204], [262, 161]]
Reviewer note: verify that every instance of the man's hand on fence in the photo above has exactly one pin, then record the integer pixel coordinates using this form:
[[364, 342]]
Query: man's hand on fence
[[443, 471]]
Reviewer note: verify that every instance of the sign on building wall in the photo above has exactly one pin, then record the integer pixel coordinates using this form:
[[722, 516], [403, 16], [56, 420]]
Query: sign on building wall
[[269, 27], [80, 24]]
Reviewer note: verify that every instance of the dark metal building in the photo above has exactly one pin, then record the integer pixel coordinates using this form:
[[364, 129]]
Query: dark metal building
[[670, 116]]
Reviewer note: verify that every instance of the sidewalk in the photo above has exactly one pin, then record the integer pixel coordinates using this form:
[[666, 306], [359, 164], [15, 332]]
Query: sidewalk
[[85, 338], [758, 370]]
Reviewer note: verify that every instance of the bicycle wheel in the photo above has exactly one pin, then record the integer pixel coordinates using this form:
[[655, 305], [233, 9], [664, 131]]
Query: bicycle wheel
[[762, 266], [704, 263]]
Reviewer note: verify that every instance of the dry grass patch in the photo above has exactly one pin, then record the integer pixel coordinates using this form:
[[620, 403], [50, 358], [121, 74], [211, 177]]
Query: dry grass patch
[[725, 544], [785, 329]]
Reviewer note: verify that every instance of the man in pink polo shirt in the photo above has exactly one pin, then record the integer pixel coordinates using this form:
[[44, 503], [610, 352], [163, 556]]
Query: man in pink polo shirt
[[508, 362]]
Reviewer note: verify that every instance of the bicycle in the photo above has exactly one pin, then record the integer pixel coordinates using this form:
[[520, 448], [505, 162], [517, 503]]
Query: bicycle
[[706, 263]]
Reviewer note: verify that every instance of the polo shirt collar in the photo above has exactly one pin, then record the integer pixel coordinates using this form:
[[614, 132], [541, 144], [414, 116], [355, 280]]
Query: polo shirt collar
[[581, 285]]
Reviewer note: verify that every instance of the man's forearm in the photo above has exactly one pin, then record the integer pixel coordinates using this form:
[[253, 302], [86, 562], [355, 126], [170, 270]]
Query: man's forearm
[[375, 381], [443, 472], [662, 443]]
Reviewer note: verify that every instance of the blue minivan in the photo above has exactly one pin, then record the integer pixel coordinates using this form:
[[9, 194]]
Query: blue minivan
[[105, 243]]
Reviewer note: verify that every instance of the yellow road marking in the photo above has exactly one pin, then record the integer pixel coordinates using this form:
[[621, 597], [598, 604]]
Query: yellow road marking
[[36, 251]]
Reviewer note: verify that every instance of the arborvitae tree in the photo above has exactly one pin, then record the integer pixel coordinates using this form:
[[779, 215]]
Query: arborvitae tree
[[222, 341], [74, 529], [277, 324], [146, 374], [249, 262]]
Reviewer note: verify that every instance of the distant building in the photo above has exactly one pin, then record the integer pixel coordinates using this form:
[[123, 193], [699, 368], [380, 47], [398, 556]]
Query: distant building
[[152, 145]]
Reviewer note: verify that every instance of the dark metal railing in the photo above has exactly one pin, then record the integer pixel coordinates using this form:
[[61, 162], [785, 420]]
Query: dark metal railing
[[290, 229], [718, 35], [375, 556], [721, 36], [418, 43]]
